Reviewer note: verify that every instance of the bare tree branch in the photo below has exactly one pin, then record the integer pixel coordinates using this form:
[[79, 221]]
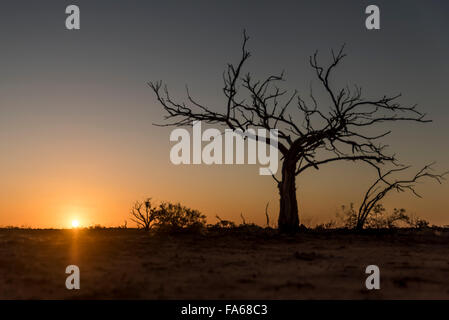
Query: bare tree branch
[[382, 186]]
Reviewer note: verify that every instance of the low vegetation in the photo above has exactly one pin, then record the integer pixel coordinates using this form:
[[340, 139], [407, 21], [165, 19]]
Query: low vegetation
[[379, 218], [166, 216], [175, 217]]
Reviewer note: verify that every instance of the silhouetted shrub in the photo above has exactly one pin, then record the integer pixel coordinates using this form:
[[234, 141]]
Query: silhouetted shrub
[[328, 225], [178, 216], [348, 216], [222, 224], [380, 219], [96, 227], [166, 216], [250, 227], [144, 214]]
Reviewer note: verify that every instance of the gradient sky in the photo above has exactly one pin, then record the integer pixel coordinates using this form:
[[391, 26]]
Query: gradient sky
[[76, 133]]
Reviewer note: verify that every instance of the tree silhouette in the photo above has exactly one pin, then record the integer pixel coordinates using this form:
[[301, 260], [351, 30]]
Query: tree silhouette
[[383, 185], [144, 214], [309, 135]]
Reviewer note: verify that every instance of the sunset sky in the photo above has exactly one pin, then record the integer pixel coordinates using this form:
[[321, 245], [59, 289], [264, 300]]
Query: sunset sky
[[77, 138]]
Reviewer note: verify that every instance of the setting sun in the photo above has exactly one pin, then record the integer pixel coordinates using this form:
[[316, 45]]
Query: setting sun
[[75, 223]]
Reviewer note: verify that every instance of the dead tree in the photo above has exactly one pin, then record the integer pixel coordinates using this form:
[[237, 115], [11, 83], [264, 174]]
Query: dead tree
[[143, 214], [382, 186], [309, 135]]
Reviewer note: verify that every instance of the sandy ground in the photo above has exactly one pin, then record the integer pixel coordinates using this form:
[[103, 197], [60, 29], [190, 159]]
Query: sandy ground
[[131, 264]]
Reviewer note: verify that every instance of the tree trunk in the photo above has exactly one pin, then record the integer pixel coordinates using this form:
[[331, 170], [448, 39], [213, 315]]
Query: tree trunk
[[288, 215], [360, 222]]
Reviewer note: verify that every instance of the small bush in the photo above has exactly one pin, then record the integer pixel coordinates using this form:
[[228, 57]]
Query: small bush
[[166, 216], [144, 214], [325, 226], [380, 219], [178, 216], [347, 217], [222, 224], [96, 227]]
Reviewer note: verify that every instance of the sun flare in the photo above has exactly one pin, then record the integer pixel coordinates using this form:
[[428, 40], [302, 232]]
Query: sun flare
[[75, 223]]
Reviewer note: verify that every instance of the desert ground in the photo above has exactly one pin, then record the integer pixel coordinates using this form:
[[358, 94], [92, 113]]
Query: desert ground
[[224, 264]]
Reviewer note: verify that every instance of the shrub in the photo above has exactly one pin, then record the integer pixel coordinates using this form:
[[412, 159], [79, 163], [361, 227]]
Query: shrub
[[380, 219], [166, 215], [178, 216], [144, 214], [348, 217], [222, 224], [325, 226]]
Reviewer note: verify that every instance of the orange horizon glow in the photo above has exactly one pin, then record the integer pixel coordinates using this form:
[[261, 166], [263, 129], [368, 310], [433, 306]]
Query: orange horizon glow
[[241, 190]]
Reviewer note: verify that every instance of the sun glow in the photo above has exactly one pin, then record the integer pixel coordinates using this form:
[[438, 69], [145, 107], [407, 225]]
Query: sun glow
[[75, 223]]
